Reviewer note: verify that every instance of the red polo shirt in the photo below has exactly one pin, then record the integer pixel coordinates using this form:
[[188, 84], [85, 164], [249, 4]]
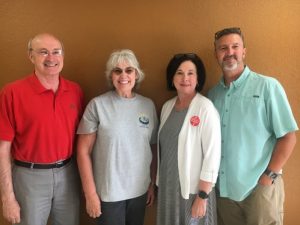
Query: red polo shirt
[[40, 124]]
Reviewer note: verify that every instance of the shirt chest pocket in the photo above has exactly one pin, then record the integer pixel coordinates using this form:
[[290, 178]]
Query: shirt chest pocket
[[251, 108]]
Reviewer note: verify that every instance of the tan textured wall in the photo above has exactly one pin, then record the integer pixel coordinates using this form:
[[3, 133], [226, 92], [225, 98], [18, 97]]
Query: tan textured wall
[[156, 30]]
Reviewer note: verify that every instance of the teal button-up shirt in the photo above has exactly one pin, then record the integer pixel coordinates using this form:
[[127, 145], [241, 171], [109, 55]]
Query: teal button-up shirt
[[254, 112]]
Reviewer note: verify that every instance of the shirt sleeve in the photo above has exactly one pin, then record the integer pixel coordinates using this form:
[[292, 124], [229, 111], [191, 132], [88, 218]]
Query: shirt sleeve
[[7, 122], [211, 145], [279, 111], [90, 120]]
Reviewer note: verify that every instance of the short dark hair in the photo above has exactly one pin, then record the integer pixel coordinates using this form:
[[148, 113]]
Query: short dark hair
[[176, 61], [230, 30]]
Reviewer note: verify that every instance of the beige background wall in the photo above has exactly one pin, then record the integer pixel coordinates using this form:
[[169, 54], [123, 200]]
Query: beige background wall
[[156, 30]]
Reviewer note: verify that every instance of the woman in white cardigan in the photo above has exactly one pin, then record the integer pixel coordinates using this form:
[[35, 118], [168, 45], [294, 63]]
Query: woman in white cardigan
[[189, 148]]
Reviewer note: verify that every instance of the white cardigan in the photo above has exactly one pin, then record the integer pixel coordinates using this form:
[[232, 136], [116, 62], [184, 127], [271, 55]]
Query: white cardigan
[[199, 145]]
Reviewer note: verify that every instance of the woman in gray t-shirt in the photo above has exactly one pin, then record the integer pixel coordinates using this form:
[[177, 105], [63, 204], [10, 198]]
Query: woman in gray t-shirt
[[117, 145]]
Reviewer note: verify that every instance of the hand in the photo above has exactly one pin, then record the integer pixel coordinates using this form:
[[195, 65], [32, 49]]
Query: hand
[[93, 205], [11, 211], [199, 207], [151, 195], [265, 180]]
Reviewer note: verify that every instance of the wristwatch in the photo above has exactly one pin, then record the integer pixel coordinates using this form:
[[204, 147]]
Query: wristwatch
[[271, 174], [202, 194]]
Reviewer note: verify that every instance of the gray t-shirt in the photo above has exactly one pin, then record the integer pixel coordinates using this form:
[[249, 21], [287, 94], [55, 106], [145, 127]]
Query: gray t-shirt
[[121, 154]]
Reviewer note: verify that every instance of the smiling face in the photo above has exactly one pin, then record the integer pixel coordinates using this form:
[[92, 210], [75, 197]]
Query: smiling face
[[185, 78], [123, 78], [230, 53], [46, 54]]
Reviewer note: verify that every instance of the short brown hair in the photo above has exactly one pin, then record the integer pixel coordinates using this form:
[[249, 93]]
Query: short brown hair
[[230, 30]]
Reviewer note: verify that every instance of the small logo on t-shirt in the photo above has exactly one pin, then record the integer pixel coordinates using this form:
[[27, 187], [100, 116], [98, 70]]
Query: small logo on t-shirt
[[195, 120], [144, 120]]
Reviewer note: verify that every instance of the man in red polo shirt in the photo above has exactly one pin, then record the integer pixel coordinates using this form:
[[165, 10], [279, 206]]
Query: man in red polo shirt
[[38, 119]]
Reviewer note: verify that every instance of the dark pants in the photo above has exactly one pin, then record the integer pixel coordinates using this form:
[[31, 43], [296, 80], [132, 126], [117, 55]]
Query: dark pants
[[127, 212]]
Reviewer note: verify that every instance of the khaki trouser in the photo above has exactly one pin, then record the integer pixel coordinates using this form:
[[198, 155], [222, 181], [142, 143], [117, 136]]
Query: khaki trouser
[[264, 206]]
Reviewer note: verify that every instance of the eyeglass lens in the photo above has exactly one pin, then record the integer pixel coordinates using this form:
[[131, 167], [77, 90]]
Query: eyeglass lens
[[45, 52], [127, 70]]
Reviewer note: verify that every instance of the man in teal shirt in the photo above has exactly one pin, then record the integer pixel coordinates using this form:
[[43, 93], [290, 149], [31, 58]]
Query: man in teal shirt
[[258, 137]]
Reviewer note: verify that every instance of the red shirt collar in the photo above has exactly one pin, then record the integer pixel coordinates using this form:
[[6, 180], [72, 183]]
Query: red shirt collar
[[39, 88]]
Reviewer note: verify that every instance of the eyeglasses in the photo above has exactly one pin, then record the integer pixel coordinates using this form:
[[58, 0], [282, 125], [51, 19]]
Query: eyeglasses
[[186, 55], [127, 70], [45, 52], [231, 30]]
